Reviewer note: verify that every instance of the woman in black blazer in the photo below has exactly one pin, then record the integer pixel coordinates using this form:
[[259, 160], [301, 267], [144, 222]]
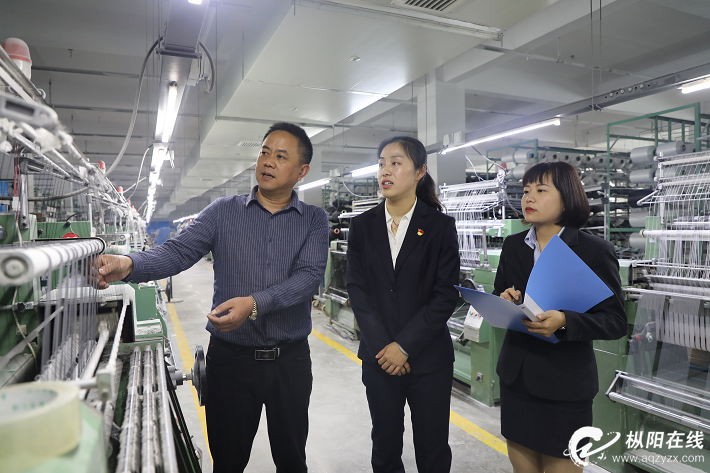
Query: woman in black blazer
[[547, 389], [403, 263]]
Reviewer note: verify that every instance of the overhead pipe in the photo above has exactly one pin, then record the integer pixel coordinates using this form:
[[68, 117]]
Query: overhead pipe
[[538, 57], [116, 110], [66, 70]]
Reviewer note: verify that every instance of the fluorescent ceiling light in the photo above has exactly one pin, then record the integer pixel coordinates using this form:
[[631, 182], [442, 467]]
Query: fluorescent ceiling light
[[166, 118], [179, 220], [695, 85], [366, 170], [160, 154], [156, 160], [311, 185], [554, 121], [195, 2]]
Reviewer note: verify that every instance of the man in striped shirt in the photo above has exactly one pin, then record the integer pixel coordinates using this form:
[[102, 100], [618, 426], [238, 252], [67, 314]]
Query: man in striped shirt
[[270, 251]]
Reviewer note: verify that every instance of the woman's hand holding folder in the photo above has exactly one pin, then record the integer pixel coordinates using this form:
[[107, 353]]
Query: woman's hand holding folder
[[549, 322]]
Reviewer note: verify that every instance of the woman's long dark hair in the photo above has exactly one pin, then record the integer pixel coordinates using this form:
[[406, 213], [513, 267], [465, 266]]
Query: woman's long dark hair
[[414, 149]]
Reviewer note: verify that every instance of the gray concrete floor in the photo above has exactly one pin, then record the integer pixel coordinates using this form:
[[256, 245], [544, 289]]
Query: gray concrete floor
[[339, 438]]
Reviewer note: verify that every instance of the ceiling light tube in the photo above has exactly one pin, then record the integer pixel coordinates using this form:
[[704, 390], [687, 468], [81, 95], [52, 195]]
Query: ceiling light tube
[[311, 185], [156, 160], [179, 220], [166, 117], [554, 121], [153, 179], [366, 170], [695, 86]]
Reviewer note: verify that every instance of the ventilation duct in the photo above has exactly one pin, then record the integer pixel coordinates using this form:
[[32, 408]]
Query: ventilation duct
[[426, 5], [249, 144]]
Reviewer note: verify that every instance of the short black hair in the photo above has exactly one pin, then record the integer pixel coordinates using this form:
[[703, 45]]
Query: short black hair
[[566, 180], [305, 147]]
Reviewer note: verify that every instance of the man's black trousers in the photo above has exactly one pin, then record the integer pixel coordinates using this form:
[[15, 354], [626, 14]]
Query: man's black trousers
[[238, 386]]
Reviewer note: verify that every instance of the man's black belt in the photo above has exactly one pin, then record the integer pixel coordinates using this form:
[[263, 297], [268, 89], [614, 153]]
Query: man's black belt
[[260, 353]]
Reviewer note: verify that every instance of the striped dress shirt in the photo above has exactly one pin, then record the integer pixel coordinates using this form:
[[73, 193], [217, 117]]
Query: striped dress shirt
[[279, 259]]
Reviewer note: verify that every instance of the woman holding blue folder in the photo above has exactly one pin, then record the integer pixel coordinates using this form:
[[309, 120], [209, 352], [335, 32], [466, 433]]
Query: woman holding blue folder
[[403, 263], [547, 389]]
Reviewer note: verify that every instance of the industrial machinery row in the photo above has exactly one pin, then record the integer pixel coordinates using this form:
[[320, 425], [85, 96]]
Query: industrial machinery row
[[87, 377]]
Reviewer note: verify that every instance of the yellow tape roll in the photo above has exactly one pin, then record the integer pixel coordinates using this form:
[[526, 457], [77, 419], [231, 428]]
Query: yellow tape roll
[[38, 421]]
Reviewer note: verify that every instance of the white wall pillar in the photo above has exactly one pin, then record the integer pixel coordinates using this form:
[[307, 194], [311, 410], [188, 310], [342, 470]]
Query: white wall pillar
[[313, 196], [441, 110]]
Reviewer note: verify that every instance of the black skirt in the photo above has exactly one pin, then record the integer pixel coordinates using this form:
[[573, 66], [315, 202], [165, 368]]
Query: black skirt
[[541, 425]]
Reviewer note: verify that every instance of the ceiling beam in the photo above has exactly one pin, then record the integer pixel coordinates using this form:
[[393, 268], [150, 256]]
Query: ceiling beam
[[306, 124], [597, 102], [382, 97], [482, 110], [411, 17]]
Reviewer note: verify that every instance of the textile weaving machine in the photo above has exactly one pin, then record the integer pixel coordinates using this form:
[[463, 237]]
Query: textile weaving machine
[[485, 214], [335, 301], [661, 388], [87, 377]]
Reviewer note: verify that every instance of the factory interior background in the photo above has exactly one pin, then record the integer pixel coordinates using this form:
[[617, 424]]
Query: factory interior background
[[121, 121]]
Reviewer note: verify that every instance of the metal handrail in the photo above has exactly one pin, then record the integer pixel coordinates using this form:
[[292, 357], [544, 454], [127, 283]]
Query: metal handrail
[[666, 390]]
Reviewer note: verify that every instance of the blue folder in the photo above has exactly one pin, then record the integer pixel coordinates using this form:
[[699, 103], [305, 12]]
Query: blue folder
[[498, 312], [559, 280]]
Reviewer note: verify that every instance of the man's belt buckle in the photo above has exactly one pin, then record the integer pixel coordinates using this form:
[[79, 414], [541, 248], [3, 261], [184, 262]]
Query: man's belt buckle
[[267, 355]]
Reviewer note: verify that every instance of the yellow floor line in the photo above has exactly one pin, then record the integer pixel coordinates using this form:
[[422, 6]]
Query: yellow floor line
[[472, 429], [337, 346], [467, 426], [187, 362]]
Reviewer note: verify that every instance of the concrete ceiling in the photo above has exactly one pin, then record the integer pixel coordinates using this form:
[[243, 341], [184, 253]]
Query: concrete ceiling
[[274, 63]]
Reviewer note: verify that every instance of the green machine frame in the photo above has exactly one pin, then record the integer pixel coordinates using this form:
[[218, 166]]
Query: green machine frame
[[476, 360], [147, 328], [657, 117]]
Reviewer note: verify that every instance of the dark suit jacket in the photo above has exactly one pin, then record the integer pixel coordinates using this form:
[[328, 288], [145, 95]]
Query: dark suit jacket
[[565, 371], [410, 303]]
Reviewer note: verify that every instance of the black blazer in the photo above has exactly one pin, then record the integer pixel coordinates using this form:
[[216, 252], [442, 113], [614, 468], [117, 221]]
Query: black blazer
[[565, 371], [410, 303]]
